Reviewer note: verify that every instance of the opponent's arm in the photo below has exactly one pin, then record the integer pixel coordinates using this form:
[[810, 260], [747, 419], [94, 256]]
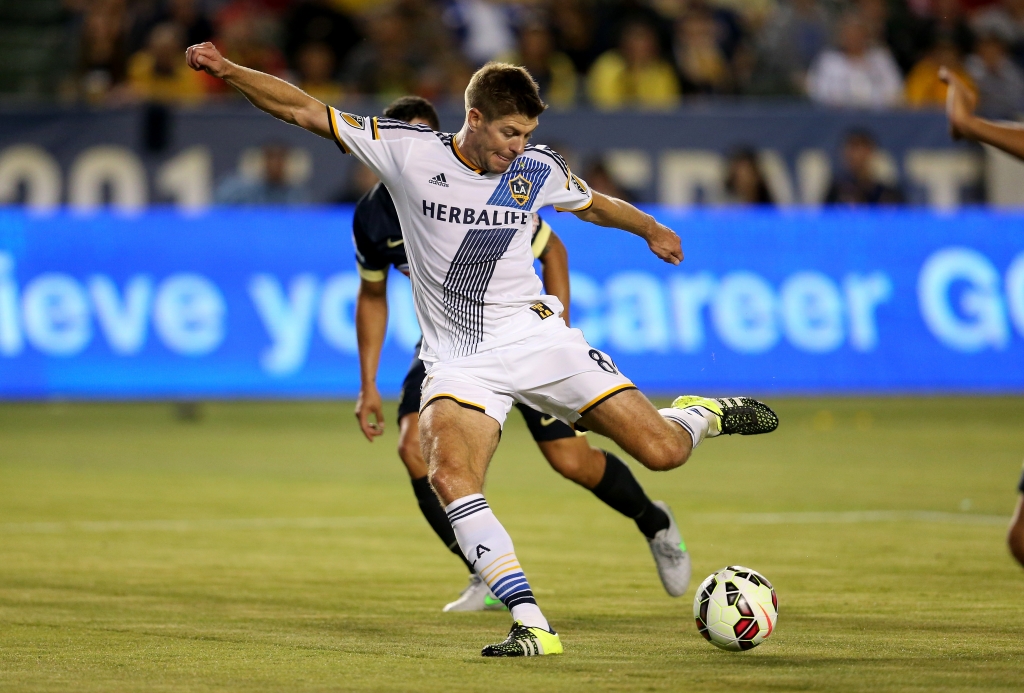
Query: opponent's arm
[[554, 269], [371, 326], [616, 213], [963, 124], [266, 92]]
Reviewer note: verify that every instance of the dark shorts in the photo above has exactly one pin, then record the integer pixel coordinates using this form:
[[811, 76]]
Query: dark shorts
[[1020, 486], [542, 427]]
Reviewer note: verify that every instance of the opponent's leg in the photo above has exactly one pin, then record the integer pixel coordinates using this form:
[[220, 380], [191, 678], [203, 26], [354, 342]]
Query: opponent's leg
[[608, 478], [457, 444]]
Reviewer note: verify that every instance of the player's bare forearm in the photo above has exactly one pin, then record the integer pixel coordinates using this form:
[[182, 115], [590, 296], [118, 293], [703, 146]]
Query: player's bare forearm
[[280, 99], [371, 328], [554, 267], [619, 214], [1006, 136]]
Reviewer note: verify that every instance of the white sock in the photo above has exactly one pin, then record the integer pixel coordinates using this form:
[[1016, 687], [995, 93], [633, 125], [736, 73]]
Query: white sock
[[696, 420], [488, 548]]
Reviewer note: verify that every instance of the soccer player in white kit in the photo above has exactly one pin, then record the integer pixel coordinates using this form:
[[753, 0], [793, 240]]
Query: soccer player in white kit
[[465, 203]]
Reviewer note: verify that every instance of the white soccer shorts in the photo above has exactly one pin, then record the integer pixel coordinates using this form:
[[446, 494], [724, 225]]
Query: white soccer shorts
[[555, 371]]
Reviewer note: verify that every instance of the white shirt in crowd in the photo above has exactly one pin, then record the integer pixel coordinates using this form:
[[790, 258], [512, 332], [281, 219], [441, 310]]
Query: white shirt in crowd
[[870, 81]]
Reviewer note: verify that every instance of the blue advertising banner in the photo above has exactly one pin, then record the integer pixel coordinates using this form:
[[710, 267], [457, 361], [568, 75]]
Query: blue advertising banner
[[233, 303]]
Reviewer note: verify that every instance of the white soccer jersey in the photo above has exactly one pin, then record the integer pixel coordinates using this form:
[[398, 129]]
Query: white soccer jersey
[[467, 233]]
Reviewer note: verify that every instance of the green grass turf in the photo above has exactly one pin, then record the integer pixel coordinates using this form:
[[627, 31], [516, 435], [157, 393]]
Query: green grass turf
[[354, 603]]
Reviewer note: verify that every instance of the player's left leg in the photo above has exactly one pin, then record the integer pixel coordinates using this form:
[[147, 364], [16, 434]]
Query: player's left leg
[[607, 477]]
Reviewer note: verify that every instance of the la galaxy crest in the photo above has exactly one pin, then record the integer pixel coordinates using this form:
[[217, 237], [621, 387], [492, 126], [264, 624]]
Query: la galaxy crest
[[520, 188], [520, 185]]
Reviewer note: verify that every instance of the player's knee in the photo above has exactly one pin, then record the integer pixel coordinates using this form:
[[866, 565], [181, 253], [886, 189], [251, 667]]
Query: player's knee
[[409, 450], [666, 453]]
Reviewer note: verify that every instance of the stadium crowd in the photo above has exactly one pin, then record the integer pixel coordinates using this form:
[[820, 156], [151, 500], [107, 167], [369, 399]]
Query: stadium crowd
[[650, 54]]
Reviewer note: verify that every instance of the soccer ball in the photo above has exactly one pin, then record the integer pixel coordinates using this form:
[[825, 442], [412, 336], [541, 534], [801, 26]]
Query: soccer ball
[[736, 608]]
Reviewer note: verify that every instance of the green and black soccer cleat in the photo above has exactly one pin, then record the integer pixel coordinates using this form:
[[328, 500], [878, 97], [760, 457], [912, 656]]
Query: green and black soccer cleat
[[525, 642], [741, 415]]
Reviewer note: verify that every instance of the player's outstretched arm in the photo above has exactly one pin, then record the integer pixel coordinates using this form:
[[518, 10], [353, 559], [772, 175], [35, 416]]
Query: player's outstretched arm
[[963, 124], [266, 92], [554, 268], [371, 327], [619, 214]]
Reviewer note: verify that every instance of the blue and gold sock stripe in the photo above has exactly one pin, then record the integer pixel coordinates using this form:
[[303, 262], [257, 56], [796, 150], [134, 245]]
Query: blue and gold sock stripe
[[463, 511]]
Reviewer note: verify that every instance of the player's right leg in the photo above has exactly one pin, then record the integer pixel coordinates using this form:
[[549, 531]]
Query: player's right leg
[[458, 440]]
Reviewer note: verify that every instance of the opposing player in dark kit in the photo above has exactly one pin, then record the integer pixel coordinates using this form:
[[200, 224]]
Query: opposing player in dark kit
[[379, 245], [491, 337]]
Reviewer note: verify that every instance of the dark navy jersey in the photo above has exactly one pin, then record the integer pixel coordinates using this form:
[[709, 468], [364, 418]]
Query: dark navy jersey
[[377, 236]]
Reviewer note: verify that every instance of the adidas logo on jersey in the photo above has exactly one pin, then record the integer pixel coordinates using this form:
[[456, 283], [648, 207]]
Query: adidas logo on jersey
[[439, 179]]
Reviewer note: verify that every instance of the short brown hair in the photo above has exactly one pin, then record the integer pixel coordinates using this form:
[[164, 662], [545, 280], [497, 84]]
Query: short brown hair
[[408, 108], [500, 89]]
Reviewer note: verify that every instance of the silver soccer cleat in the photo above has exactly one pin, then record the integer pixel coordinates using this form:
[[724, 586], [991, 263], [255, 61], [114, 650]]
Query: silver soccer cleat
[[671, 556], [476, 597]]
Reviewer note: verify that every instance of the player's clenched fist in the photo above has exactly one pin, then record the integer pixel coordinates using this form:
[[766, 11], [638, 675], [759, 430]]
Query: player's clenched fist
[[205, 56]]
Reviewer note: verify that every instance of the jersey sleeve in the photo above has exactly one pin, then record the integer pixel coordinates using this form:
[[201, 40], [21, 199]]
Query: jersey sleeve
[[541, 235], [563, 189], [372, 265], [360, 136]]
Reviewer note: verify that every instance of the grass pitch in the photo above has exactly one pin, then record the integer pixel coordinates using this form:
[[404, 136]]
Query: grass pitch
[[267, 547]]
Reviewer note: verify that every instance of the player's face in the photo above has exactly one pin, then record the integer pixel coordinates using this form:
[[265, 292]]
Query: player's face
[[501, 140]]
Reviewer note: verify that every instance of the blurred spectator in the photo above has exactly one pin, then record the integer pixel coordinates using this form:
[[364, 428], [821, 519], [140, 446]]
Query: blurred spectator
[[196, 25], [102, 60], [553, 70], [158, 73], [889, 23], [599, 179], [924, 89], [946, 20], [999, 81], [484, 28], [858, 74], [792, 38], [611, 19], [701, 62], [319, 22], [246, 39], [315, 63], [385, 64], [270, 188], [1009, 17], [858, 183], [573, 27], [744, 182], [359, 181], [633, 75]]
